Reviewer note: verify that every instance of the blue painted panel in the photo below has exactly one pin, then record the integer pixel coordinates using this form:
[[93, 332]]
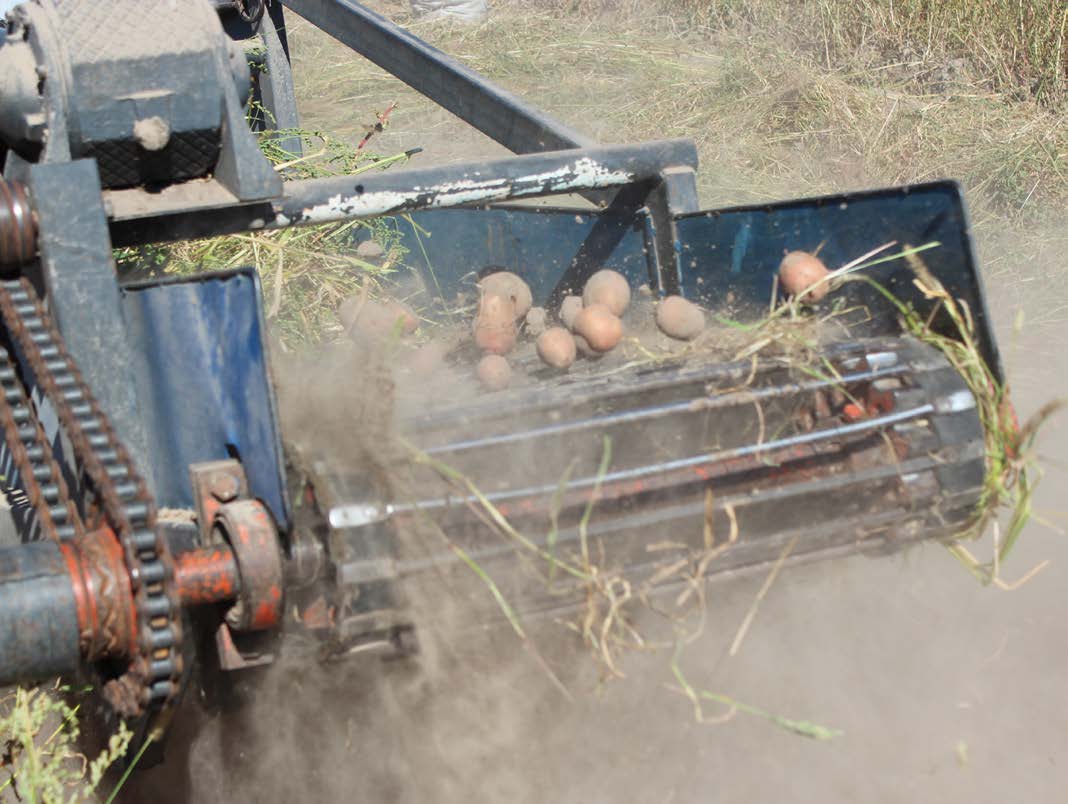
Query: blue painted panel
[[736, 252], [203, 382], [728, 254], [451, 245]]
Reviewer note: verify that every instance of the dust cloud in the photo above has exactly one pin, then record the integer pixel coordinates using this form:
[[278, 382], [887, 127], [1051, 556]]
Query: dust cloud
[[944, 690]]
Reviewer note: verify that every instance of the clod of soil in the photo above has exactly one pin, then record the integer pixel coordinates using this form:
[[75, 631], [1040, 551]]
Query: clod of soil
[[536, 321], [609, 288], [680, 318], [377, 319], [494, 372], [510, 286], [600, 327], [494, 327], [570, 307], [556, 347], [799, 271]]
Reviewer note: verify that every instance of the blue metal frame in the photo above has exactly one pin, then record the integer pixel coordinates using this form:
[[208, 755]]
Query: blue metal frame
[[204, 382], [727, 253]]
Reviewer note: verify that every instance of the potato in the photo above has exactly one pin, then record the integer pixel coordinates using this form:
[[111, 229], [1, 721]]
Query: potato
[[409, 320], [585, 349], [609, 288], [679, 318], [570, 307], [510, 286], [557, 348], [428, 358], [378, 319], [800, 270], [494, 327], [600, 327], [536, 321], [494, 372]]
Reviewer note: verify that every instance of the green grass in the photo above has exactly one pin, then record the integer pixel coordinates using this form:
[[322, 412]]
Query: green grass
[[42, 761]]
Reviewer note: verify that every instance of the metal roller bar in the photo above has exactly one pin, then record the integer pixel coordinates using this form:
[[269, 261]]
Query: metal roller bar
[[340, 198], [360, 514], [498, 114], [689, 405]]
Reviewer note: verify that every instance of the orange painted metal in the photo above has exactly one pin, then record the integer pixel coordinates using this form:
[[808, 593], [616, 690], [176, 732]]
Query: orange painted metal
[[104, 603], [206, 575]]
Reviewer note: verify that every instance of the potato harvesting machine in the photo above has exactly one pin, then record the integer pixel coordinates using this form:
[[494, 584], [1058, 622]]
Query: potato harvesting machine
[[159, 522]]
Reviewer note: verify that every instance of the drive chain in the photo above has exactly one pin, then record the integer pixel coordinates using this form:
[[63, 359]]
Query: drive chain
[[152, 679]]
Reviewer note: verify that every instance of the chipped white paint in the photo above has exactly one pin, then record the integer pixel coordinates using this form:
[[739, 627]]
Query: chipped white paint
[[583, 174]]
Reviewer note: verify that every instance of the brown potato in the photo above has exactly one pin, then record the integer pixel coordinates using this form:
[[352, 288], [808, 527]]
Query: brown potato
[[799, 271], [408, 319], [585, 349], [428, 358], [510, 286], [609, 288], [679, 318], [570, 307], [557, 348], [378, 319], [601, 329], [494, 327], [494, 372]]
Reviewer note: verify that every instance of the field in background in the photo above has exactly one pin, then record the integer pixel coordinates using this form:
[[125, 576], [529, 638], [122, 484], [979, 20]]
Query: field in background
[[1014, 46]]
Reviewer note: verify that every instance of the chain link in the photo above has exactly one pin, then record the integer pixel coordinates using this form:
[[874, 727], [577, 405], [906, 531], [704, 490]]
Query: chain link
[[152, 678]]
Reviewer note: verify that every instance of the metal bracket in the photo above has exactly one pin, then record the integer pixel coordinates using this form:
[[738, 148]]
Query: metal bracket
[[83, 292], [215, 483], [231, 657], [675, 195], [221, 494]]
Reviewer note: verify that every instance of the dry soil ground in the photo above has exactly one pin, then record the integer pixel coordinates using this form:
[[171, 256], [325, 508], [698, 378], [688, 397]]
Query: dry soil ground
[[946, 691]]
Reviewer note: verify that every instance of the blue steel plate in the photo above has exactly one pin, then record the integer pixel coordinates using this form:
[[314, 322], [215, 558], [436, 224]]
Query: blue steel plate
[[727, 253], [203, 382]]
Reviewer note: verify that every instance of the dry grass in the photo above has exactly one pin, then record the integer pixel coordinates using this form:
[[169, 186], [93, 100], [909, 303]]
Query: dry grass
[[306, 272], [1014, 46]]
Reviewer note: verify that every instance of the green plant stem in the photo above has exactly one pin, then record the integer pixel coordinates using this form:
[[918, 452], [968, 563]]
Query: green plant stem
[[130, 768]]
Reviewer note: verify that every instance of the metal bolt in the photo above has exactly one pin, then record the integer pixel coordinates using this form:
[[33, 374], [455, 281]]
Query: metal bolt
[[223, 486]]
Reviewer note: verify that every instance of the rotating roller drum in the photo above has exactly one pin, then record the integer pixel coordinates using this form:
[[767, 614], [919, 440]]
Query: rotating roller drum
[[38, 614]]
